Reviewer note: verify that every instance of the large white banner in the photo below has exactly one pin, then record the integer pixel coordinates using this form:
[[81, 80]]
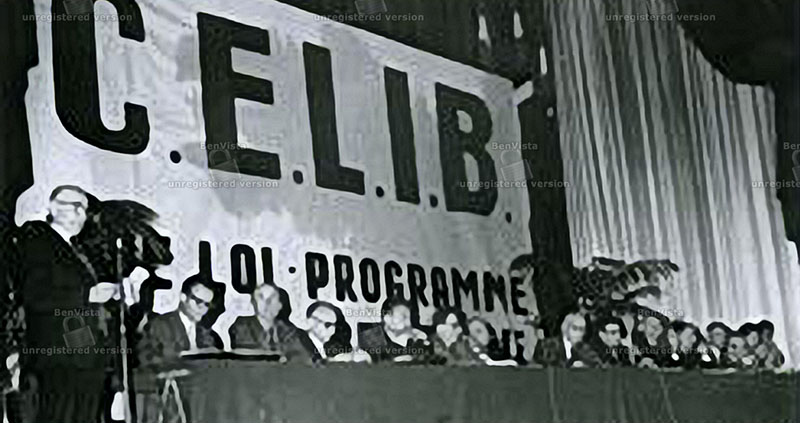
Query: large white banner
[[313, 211]]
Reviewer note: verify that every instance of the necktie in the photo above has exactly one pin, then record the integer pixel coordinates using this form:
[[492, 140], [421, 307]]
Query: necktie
[[272, 338]]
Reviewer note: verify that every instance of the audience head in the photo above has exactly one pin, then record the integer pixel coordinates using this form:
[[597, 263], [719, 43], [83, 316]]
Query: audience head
[[736, 346], [672, 338], [573, 327], [327, 324], [67, 208], [196, 298], [480, 332], [271, 302], [718, 334], [611, 331], [521, 266], [323, 317], [397, 315], [750, 333], [450, 324], [689, 337], [652, 324], [766, 329]]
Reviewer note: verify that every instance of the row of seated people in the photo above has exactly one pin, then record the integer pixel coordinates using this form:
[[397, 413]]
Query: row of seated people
[[397, 338], [584, 341], [656, 342]]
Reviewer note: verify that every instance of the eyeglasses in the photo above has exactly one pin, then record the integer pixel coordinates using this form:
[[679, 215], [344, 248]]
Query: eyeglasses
[[324, 323], [198, 301], [75, 204]]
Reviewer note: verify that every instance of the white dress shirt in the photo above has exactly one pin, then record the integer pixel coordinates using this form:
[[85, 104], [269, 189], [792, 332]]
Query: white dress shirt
[[318, 344], [191, 330], [568, 348]]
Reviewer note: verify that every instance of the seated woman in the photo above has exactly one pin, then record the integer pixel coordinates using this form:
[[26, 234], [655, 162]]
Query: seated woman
[[484, 346], [449, 342], [330, 335], [691, 352], [718, 335], [649, 339], [768, 354], [752, 339], [559, 351], [270, 330], [739, 356], [397, 337]]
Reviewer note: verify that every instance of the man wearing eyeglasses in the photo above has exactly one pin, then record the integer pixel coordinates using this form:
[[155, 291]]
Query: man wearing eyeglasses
[[62, 371], [185, 329]]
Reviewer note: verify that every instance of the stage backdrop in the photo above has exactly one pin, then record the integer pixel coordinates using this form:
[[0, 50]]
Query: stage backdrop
[[353, 161], [667, 159]]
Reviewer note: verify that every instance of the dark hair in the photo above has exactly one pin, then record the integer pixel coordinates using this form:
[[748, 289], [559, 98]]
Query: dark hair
[[493, 348], [61, 188], [217, 305], [89, 198], [765, 325], [193, 280], [340, 340], [440, 316], [611, 320], [283, 298], [392, 302], [522, 262], [747, 328], [719, 325], [680, 326], [397, 301]]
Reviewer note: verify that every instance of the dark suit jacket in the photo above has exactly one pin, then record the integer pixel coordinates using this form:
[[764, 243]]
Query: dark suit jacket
[[551, 352], [372, 338], [285, 339], [612, 357], [165, 338], [457, 354], [54, 281]]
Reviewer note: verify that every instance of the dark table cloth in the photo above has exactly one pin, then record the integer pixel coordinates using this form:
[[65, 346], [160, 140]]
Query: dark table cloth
[[240, 391]]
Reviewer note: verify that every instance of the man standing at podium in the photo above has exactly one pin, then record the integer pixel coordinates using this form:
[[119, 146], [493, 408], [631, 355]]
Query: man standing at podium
[[62, 371]]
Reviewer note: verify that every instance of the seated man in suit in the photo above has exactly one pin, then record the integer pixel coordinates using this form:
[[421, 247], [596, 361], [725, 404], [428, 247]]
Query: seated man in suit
[[611, 352], [691, 352], [270, 329], [559, 351], [718, 335], [649, 338], [768, 353], [167, 335], [398, 337]]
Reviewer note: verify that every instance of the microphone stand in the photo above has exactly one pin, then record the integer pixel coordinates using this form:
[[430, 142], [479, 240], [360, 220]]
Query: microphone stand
[[123, 338]]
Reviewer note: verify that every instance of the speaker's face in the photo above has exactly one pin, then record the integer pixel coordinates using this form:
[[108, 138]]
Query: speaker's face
[[68, 209]]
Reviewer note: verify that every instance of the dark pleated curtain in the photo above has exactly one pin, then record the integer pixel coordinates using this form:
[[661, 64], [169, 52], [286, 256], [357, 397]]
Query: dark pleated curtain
[[662, 153]]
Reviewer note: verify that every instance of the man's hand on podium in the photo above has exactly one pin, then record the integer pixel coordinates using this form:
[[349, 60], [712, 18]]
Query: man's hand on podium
[[133, 284], [106, 291], [12, 364]]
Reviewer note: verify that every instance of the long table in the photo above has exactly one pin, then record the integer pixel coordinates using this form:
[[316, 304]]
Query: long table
[[226, 391]]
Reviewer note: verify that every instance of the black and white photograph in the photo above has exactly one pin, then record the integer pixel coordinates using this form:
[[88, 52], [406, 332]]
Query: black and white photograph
[[393, 211]]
